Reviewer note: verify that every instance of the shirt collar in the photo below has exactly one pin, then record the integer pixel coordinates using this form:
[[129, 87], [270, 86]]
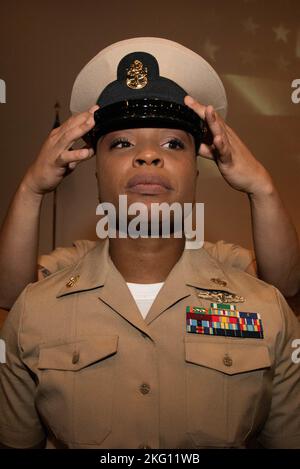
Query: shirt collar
[[199, 270]]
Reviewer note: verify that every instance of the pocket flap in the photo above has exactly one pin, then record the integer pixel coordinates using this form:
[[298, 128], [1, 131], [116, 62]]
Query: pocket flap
[[230, 358], [76, 354]]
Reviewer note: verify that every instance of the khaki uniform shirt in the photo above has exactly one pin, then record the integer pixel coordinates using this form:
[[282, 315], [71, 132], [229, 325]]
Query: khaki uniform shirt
[[85, 369]]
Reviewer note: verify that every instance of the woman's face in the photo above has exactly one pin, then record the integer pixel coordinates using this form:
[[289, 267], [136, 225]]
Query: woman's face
[[165, 153]]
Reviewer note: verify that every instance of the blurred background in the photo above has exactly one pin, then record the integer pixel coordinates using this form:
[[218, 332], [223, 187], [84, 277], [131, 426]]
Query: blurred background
[[254, 45]]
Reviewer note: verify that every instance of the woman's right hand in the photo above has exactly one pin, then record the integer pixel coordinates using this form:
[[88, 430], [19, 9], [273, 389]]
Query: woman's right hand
[[56, 158]]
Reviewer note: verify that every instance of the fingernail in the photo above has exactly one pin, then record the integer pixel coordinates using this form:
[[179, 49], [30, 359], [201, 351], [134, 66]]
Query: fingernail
[[191, 100], [94, 108]]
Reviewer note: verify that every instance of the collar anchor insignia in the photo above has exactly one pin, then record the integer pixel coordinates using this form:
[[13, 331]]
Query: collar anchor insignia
[[218, 281], [72, 280]]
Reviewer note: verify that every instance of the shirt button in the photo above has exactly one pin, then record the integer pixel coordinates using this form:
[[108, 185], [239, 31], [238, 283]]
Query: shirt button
[[75, 358], [145, 388], [227, 360]]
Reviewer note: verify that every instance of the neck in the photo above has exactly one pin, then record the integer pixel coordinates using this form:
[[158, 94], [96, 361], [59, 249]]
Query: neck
[[145, 260]]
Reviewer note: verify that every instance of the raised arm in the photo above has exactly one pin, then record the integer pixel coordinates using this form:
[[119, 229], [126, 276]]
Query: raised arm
[[276, 242], [275, 239], [19, 232], [18, 244]]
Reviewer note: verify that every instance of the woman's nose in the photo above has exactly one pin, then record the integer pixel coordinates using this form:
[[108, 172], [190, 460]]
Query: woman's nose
[[149, 156]]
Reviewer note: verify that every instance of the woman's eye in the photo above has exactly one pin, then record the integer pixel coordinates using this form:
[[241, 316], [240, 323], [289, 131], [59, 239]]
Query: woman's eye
[[174, 144], [120, 143]]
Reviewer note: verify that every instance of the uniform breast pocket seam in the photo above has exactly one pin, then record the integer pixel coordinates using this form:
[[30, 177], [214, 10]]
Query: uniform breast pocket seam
[[203, 353], [60, 355]]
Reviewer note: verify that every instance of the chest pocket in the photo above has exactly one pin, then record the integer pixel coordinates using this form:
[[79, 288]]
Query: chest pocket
[[76, 388], [226, 382]]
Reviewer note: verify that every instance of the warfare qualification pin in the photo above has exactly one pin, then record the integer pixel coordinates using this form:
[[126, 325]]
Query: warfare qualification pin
[[220, 296], [137, 75]]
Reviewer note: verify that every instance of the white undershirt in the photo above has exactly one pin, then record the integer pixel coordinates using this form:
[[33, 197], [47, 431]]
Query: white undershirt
[[144, 295]]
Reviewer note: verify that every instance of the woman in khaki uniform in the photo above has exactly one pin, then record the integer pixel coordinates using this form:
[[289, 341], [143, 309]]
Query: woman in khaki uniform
[[206, 360], [277, 257]]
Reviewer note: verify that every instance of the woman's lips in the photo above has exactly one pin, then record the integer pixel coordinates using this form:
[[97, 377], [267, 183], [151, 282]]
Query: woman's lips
[[148, 189], [148, 184]]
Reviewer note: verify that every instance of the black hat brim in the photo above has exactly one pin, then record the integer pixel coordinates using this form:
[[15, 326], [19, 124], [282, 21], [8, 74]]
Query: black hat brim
[[147, 113]]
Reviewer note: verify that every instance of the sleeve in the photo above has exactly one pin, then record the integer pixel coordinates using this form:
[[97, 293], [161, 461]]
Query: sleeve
[[233, 255], [62, 257], [20, 425], [56, 260], [282, 428]]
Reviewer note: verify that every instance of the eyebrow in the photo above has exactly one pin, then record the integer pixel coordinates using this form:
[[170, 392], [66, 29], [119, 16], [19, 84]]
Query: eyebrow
[[130, 132], [178, 130]]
